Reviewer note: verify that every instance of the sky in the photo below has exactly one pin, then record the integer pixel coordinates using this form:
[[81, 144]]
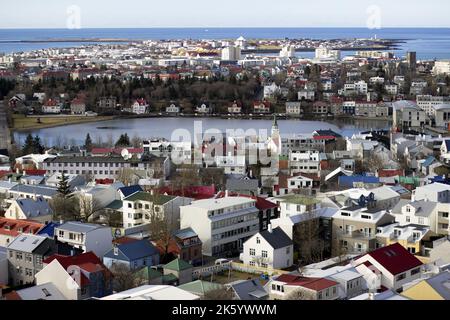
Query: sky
[[225, 13]]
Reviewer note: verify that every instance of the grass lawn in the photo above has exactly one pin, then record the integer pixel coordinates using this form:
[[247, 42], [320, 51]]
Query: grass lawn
[[22, 122], [227, 277]]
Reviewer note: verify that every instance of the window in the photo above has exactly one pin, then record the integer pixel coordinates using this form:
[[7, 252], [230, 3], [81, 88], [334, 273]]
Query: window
[[401, 276], [320, 295], [264, 254], [28, 258], [258, 240], [408, 219], [288, 250], [421, 220], [252, 263], [61, 233], [264, 265], [415, 271], [19, 255], [252, 252], [28, 272], [38, 260]]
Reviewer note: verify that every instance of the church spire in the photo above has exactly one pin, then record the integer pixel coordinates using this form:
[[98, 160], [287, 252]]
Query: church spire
[[275, 122]]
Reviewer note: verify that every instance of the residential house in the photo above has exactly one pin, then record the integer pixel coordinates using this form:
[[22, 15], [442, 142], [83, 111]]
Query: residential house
[[355, 228], [85, 236], [133, 255], [77, 277], [26, 254], [140, 207], [261, 106], [78, 106], [271, 249], [392, 266], [173, 109], [235, 108], [51, 106], [29, 209], [140, 106], [247, 290], [295, 287], [11, 228], [179, 269]]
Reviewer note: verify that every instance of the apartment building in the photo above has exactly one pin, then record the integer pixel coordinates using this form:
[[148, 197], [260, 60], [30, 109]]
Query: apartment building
[[108, 167], [428, 102], [304, 162], [355, 228], [140, 207], [222, 224]]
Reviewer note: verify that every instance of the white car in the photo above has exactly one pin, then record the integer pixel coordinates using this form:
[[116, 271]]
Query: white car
[[221, 261]]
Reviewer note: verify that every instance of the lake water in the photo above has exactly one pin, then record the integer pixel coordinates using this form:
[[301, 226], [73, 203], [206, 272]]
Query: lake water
[[429, 43], [166, 127]]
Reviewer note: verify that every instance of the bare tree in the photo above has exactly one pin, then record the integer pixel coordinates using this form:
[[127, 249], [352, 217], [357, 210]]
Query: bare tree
[[126, 176], [307, 239], [161, 225], [123, 277], [64, 208], [301, 294], [88, 207]]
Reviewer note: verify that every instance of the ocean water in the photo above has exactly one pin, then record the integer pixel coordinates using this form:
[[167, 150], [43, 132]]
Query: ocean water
[[429, 43]]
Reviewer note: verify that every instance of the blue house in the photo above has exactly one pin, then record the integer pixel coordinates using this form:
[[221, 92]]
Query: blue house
[[350, 181], [134, 255]]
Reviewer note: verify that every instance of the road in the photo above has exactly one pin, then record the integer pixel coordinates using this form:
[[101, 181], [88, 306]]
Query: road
[[5, 137]]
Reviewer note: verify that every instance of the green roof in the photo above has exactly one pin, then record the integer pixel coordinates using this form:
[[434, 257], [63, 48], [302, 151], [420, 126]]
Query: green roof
[[115, 205], [157, 199], [200, 287], [148, 273], [178, 265], [298, 199], [169, 278]]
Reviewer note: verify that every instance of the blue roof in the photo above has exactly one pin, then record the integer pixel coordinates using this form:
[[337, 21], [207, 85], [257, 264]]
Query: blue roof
[[36, 189], [34, 208], [49, 229], [128, 191], [345, 181], [133, 250], [429, 161]]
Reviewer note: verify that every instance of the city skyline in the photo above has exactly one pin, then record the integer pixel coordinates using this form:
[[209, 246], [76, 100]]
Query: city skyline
[[287, 14]]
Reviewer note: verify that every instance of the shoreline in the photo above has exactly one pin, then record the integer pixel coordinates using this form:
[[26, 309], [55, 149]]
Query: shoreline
[[199, 117]]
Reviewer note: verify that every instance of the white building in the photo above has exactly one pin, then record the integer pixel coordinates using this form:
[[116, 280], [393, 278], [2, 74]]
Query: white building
[[223, 224], [231, 164], [293, 108], [428, 102], [287, 52], [172, 109], [140, 106], [140, 207], [441, 67], [231, 53], [406, 114], [271, 249], [304, 162], [85, 236]]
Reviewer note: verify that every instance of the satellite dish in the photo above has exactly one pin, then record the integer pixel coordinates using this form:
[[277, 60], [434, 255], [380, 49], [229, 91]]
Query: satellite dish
[[125, 154]]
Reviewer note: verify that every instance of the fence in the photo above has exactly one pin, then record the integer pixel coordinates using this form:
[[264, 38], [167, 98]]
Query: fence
[[256, 270]]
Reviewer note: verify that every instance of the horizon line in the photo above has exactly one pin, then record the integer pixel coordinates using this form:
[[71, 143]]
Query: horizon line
[[229, 27]]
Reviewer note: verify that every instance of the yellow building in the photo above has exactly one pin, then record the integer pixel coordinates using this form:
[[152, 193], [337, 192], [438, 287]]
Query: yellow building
[[435, 288]]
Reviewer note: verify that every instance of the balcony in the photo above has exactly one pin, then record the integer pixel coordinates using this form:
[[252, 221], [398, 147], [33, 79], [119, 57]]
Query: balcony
[[357, 235]]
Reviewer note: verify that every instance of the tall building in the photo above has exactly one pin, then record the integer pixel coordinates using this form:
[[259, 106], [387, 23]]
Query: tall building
[[231, 53], [411, 58]]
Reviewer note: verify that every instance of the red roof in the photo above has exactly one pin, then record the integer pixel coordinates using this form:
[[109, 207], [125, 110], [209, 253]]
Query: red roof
[[385, 173], [395, 258], [324, 138], [316, 284], [194, 192], [104, 181], [88, 262], [12, 227], [35, 172]]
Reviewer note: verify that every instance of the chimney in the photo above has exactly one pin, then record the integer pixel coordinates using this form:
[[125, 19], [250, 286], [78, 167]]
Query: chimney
[[226, 193], [269, 228], [371, 296], [61, 221], [116, 250]]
